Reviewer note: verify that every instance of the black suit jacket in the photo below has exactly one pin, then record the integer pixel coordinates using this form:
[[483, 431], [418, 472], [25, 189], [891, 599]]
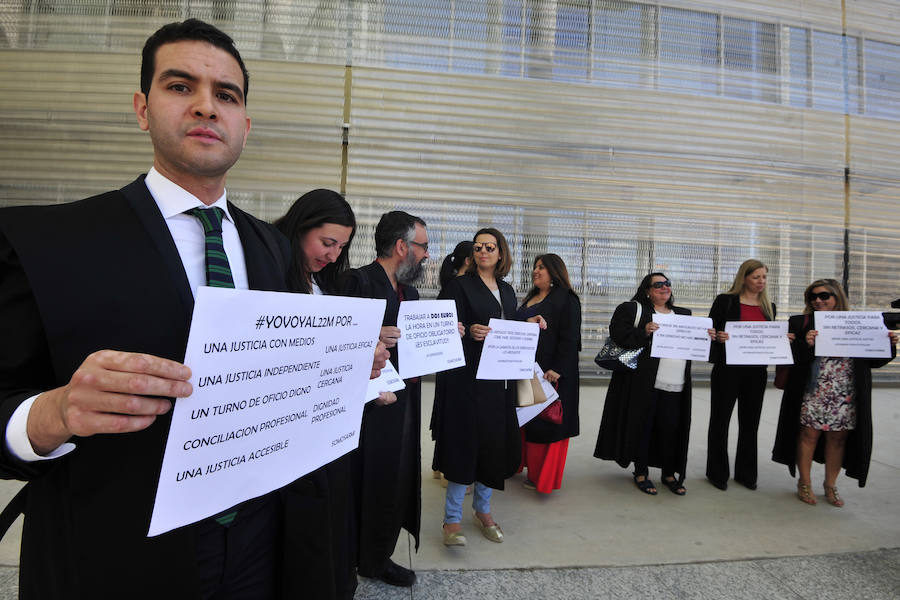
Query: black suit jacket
[[726, 307], [858, 446], [476, 430], [558, 348], [101, 273], [387, 464], [628, 397]]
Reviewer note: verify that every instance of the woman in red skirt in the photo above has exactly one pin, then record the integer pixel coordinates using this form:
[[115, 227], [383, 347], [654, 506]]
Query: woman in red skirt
[[547, 436]]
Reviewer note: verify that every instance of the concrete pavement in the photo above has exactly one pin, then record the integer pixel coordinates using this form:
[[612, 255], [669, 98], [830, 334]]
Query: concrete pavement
[[599, 537]]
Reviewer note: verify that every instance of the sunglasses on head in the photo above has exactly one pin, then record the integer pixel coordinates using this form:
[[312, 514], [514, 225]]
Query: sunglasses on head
[[823, 296], [487, 247], [656, 285]]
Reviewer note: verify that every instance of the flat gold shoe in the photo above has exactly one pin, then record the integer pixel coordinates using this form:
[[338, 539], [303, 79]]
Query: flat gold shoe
[[455, 538], [493, 533]]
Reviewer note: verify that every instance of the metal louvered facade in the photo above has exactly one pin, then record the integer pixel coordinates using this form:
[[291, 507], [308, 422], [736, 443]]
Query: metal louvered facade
[[623, 136]]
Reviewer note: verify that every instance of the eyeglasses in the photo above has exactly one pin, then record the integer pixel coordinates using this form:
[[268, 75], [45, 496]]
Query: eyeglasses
[[656, 285], [487, 247], [420, 245], [823, 296]]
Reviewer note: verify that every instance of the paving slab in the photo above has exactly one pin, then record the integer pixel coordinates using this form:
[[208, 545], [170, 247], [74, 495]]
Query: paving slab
[[599, 537]]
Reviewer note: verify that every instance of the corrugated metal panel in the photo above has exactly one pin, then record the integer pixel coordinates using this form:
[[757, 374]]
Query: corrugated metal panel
[[72, 111], [617, 182], [874, 212], [66, 124], [295, 140], [821, 13], [876, 18], [624, 136]]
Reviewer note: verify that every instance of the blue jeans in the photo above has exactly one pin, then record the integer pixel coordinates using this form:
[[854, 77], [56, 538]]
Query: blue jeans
[[456, 493]]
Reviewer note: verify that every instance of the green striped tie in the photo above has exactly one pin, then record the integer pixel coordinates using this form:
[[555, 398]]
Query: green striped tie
[[218, 271], [218, 274]]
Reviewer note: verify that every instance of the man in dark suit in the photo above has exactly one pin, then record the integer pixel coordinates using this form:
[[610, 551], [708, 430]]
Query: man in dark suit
[[387, 463], [95, 307]]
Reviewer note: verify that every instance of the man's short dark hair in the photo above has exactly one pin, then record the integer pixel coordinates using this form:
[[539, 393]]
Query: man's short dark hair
[[190, 30], [393, 226]]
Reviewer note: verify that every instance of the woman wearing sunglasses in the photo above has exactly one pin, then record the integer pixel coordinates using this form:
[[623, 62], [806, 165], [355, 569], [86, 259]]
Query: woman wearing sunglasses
[[747, 300], [476, 431], [647, 415], [826, 410]]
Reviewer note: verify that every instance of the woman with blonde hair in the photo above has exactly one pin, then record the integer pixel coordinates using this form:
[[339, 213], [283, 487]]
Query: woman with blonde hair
[[747, 300], [826, 410]]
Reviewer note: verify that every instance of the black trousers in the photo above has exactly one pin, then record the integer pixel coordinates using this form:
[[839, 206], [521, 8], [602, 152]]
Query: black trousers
[[242, 561], [745, 385], [661, 424]]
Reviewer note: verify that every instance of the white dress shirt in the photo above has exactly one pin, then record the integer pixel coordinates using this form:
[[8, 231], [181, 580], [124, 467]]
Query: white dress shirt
[[190, 240]]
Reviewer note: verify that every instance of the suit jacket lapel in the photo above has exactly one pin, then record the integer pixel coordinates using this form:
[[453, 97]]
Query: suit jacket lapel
[[265, 270], [145, 207], [487, 296]]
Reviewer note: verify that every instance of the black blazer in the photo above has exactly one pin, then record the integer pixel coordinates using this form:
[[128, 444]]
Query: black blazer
[[628, 396], [384, 439], [476, 431], [371, 281], [726, 307], [858, 446], [558, 348], [476, 304], [76, 278]]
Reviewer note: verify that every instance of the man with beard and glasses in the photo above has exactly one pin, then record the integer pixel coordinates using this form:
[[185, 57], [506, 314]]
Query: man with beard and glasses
[[387, 470]]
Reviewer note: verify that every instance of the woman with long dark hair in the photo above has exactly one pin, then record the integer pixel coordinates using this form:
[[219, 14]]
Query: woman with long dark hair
[[826, 410], [546, 442], [320, 226], [647, 415], [747, 300], [456, 263]]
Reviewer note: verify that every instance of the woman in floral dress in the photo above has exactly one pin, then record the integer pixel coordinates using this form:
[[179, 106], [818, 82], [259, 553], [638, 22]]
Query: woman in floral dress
[[826, 408]]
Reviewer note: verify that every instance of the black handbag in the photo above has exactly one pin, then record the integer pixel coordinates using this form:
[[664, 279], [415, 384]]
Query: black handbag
[[616, 358]]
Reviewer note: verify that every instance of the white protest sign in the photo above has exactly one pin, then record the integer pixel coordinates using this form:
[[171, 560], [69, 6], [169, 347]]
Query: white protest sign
[[279, 385], [851, 334], [429, 338], [757, 343], [508, 351], [681, 336], [388, 381], [527, 413]]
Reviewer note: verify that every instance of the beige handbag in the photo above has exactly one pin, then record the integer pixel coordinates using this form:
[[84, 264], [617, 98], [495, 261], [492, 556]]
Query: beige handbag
[[529, 391]]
